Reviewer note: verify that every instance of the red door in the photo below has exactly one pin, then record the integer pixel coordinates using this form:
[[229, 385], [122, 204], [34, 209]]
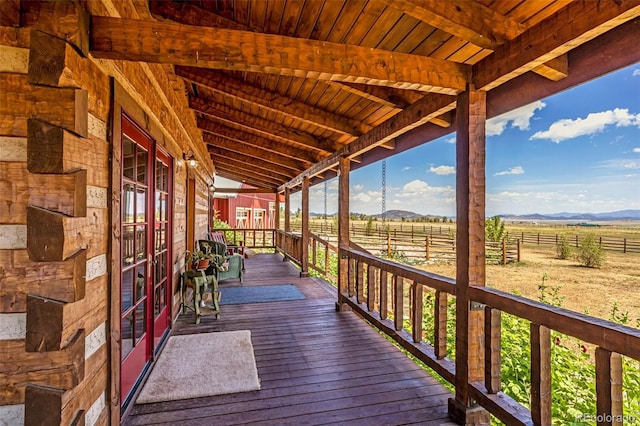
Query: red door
[[145, 229]]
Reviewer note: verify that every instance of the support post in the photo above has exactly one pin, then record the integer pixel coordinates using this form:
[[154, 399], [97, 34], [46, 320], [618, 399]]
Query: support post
[[343, 228], [276, 213], [470, 253], [304, 262], [287, 210]]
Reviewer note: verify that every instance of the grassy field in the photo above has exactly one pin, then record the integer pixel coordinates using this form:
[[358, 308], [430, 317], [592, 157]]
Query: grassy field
[[588, 290]]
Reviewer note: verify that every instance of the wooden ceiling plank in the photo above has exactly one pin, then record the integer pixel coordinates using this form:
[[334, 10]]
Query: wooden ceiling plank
[[240, 175], [276, 161], [300, 111], [468, 20], [574, 25], [249, 150], [556, 69], [275, 146], [221, 48], [249, 121], [190, 15], [255, 164], [399, 98]]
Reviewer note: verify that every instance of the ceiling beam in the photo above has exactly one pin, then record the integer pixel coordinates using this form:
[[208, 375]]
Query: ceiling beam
[[258, 168], [394, 98], [251, 151], [413, 116], [243, 119], [305, 157], [299, 111], [556, 69], [187, 13], [241, 173], [547, 40], [468, 20], [221, 48]]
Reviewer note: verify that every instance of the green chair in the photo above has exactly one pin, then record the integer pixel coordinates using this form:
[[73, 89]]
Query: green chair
[[224, 266]]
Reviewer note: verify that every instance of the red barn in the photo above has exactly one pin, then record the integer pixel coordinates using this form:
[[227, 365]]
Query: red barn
[[245, 210]]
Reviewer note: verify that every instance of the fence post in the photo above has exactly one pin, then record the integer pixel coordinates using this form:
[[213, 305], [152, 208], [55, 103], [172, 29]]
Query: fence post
[[426, 247], [504, 252], [388, 244], [577, 240], [624, 249], [538, 238], [518, 250]]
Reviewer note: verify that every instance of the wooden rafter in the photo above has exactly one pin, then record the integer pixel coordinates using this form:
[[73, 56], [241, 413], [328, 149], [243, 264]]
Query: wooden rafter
[[277, 147], [246, 150], [299, 111], [187, 13], [418, 113], [241, 172], [469, 20], [246, 120], [548, 40], [207, 47], [556, 69]]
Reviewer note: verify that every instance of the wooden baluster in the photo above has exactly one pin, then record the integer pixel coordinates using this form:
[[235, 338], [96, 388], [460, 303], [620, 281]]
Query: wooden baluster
[[371, 288], [417, 308], [492, 344], [608, 387], [440, 326], [360, 282], [540, 375], [384, 297], [326, 259], [352, 277], [314, 253], [398, 303]]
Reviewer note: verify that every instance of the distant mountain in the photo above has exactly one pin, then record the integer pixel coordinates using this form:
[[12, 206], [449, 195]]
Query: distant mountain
[[399, 214], [617, 215]]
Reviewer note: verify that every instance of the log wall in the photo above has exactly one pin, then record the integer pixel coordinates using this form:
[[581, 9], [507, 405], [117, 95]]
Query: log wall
[[59, 208]]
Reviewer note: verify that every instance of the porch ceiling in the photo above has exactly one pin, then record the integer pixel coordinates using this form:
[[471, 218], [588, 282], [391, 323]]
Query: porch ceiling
[[282, 89]]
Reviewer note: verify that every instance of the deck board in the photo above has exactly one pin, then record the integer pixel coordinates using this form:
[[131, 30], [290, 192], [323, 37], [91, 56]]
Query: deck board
[[316, 366]]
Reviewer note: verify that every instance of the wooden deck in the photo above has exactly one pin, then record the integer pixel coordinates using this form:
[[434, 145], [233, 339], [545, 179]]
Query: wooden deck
[[316, 366]]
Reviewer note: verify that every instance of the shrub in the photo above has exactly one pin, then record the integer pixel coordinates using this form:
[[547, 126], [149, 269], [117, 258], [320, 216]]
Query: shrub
[[590, 253], [564, 247], [494, 229]]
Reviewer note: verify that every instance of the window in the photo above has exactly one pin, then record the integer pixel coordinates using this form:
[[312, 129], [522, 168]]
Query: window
[[258, 218], [242, 217]]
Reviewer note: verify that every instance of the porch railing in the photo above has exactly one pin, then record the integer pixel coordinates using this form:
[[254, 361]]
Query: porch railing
[[250, 238], [391, 296]]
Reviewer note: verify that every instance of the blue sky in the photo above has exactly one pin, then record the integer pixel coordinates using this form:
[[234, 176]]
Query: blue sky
[[577, 151]]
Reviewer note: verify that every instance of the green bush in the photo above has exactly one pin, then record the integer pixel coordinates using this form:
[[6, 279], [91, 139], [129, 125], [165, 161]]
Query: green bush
[[590, 253], [564, 247], [494, 229]]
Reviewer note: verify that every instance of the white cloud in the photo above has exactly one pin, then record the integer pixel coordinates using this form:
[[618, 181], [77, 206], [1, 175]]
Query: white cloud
[[636, 150], [404, 169], [443, 170], [518, 170], [595, 122], [420, 188], [451, 140], [636, 72], [519, 117], [358, 187]]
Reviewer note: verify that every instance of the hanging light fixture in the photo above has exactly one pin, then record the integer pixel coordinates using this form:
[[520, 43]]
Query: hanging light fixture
[[190, 158]]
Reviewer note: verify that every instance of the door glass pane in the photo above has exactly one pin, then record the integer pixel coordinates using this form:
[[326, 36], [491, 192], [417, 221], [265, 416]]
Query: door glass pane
[[128, 247], [142, 165], [162, 171], [127, 290], [141, 323], [126, 330], [128, 206], [141, 242], [141, 279], [128, 163], [141, 205], [160, 299]]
